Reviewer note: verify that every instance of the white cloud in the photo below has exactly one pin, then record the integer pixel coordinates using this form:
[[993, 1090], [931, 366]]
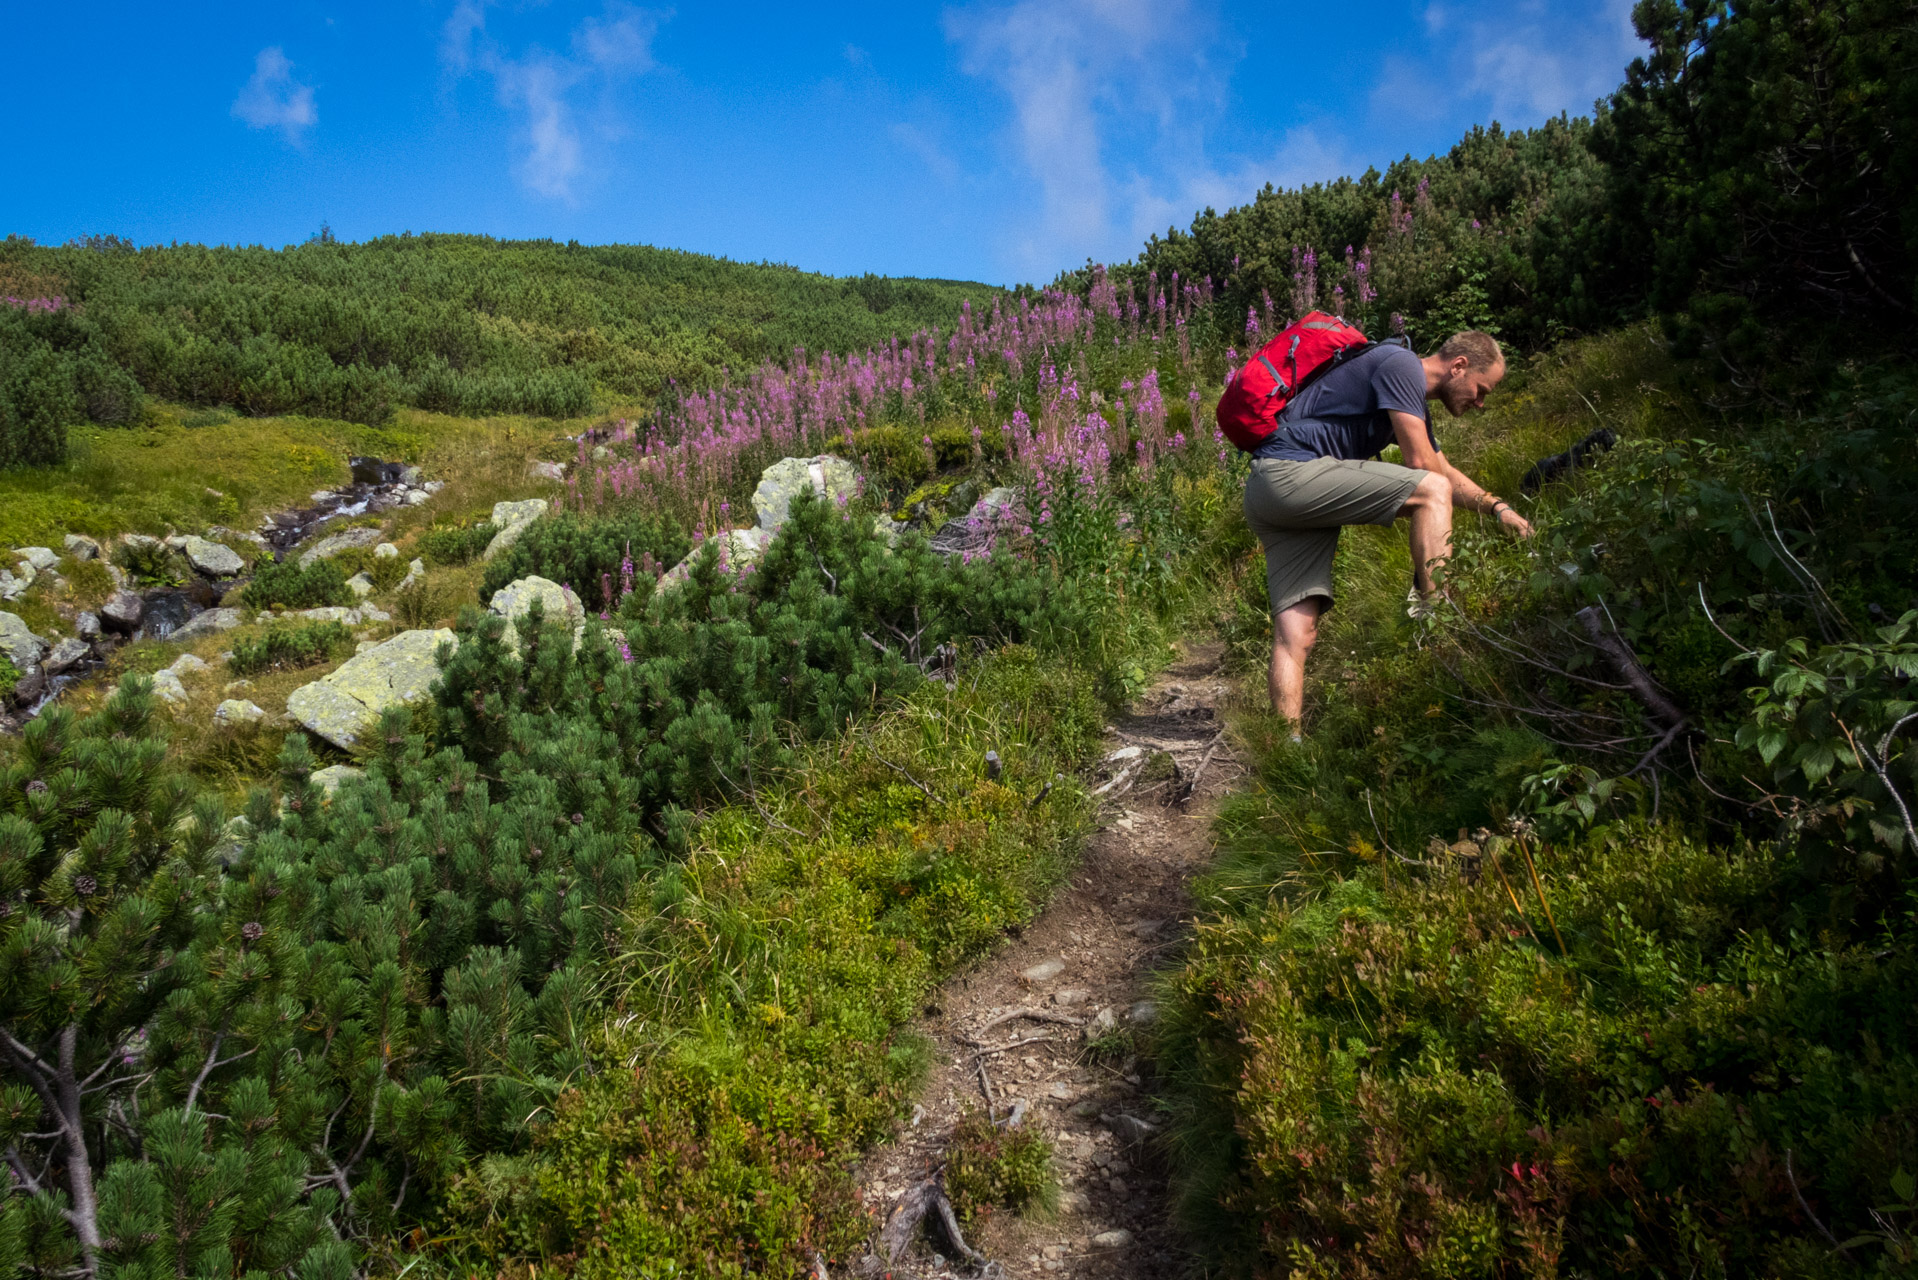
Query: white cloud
[[556, 156], [1522, 62], [273, 99], [929, 153], [1083, 77]]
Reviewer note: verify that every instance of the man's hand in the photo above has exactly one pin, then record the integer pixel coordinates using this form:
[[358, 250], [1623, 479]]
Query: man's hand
[[1514, 521]]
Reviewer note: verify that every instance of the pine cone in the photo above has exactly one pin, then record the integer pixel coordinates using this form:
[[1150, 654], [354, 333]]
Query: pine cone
[[85, 886], [252, 931]]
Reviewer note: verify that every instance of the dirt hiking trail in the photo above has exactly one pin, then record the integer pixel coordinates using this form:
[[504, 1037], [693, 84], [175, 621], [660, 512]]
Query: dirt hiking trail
[[1037, 1030]]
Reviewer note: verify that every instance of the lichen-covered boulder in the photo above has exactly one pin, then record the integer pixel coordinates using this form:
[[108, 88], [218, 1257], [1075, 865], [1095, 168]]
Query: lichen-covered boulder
[[206, 624], [209, 559], [41, 558], [235, 712], [415, 574], [512, 601], [81, 547], [833, 479], [17, 641], [739, 550], [123, 611], [63, 655], [361, 585], [334, 543], [12, 588], [386, 551], [344, 706], [329, 779], [512, 519]]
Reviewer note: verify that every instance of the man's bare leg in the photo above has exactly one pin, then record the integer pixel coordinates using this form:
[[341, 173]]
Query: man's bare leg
[[1430, 511], [1294, 631]]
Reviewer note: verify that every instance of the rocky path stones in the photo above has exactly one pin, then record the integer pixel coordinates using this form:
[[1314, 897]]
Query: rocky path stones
[[1046, 1024]]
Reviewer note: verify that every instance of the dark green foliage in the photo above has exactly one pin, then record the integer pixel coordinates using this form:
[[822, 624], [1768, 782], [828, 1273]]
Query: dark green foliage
[[600, 557], [297, 586], [1764, 156], [989, 1168], [455, 544], [299, 645], [56, 369], [714, 671], [458, 324]]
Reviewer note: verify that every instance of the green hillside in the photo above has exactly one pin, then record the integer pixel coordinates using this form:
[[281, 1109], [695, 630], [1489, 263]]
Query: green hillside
[[451, 323]]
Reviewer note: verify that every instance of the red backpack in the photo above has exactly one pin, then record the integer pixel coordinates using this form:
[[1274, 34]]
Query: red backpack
[[1302, 352]]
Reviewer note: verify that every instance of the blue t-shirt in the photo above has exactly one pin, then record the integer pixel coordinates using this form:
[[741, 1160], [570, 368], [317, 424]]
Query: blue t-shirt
[[1343, 414]]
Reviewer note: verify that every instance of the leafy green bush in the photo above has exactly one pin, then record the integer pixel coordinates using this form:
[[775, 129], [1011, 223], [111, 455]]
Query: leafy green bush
[[151, 564], [600, 557], [296, 586], [301, 645], [386, 572], [445, 545], [990, 1168]]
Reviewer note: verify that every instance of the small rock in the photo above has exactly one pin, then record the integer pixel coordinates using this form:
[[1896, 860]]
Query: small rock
[[87, 626], [12, 588], [1131, 1128], [1086, 1108], [409, 475], [361, 585], [321, 495], [234, 712], [330, 613], [64, 655], [330, 778], [414, 572], [122, 611], [1118, 1188], [548, 470], [601, 453], [1125, 753], [415, 497], [1117, 1239], [41, 558], [210, 559], [209, 622], [1044, 971], [187, 664], [18, 642], [1069, 996], [1056, 1250], [236, 686], [386, 551], [31, 684], [373, 613], [81, 547], [1102, 1022], [1060, 1091], [167, 687], [434, 486], [1144, 1013], [334, 543]]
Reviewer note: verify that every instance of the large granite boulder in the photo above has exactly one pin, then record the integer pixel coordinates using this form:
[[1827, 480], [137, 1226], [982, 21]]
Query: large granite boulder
[[511, 519], [329, 779], [81, 547], [64, 654], [11, 587], [833, 479], [235, 712], [334, 543], [22, 648], [513, 600], [41, 558], [345, 706], [739, 550], [122, 612], [206, 624], [169, 685], [209, 559]]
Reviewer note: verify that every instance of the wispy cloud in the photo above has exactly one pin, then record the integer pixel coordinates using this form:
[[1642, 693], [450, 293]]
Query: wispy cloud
[[1516, 60], [543, 87], [273, 99]]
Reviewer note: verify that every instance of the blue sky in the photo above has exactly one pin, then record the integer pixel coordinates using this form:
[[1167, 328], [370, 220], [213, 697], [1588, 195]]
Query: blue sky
[[1000, 140]]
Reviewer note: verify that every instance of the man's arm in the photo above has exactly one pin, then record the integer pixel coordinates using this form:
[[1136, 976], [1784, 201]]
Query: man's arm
[[1415, 443]]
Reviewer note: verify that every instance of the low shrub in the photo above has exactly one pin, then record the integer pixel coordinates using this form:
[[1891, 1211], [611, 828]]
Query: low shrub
[[295, 586], [302, 645], [386, 572], [599, 556], [989, 1168], [448, 545], [151, 564]]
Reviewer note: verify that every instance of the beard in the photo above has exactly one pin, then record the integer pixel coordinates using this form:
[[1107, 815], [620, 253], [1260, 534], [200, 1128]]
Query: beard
[[1455, 395]]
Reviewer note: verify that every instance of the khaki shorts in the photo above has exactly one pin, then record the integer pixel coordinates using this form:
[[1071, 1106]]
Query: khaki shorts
[[1297, 508]]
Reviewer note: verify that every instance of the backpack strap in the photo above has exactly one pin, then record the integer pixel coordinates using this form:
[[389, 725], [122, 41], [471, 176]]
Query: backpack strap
[[1278, 383]]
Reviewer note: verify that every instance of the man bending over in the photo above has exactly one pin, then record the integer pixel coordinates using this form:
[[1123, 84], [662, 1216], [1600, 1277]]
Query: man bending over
[[1318, 472]]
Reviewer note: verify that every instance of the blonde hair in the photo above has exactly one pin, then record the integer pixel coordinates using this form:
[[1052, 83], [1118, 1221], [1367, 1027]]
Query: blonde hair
[[1481, 350]]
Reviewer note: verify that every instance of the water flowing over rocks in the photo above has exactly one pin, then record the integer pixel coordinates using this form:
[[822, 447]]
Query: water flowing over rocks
[[346, 705]]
